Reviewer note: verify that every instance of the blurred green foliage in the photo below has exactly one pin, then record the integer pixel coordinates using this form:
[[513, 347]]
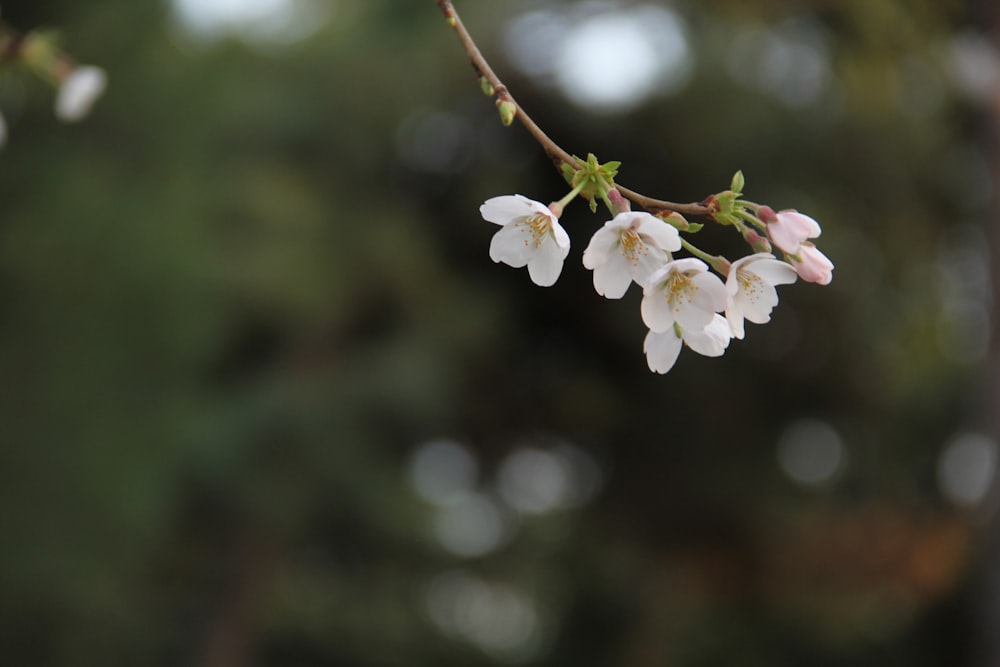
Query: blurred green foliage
[[233, 308]]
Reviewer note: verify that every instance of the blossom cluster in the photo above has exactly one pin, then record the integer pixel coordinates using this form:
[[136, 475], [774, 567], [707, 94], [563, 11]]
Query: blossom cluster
[[684, 302]]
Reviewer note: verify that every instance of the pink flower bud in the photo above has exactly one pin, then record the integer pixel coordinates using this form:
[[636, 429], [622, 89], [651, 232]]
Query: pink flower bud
[[812, 265], [620, 204], [788, 229], [755, 240], [767, 215]]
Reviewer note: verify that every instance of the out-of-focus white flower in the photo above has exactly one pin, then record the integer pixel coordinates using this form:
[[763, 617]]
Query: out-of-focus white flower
[[79, 91], [662, 348], [812, 265], [788, 229], [750, 289], [531, 235], [632, 246], [684, 292]]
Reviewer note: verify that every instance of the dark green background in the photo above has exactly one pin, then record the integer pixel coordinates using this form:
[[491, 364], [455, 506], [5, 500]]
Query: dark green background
[[230, 313]]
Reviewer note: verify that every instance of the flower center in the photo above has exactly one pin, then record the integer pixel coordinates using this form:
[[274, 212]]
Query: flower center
[[751, 284], [680, 290], [632, 246], [538, 226]]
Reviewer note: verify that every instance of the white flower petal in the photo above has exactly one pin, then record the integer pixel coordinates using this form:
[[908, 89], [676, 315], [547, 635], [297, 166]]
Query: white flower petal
[[79, 91], [661, 350], [750, 289], [505, 209], [711, 341], [664, 235], [612, 278], [560, 236], [545, 264], [646, 264], [692, 316], [812, 265], [698, 301], [801, 222], [602, 244], [683, 292], [757, 299], [657, 313], [688, 265], [790, 228], [734, 316], [711, 291], [511, 245], [773, 271]]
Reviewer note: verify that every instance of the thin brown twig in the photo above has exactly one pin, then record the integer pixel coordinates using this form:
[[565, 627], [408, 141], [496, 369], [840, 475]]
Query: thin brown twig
[[551, 148]]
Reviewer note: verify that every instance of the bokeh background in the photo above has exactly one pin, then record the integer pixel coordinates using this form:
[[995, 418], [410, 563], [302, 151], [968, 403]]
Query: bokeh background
[[265, 400]]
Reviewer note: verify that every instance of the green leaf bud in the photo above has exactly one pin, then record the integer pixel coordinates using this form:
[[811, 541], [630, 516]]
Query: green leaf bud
[[508, 110], [487, 87]]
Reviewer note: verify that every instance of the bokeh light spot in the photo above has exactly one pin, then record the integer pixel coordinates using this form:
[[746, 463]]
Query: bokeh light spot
[[261, 22], [535, 481], [443, 471], [496, 617], [810, 452], [471, 526], [966, 469], [603, 57]]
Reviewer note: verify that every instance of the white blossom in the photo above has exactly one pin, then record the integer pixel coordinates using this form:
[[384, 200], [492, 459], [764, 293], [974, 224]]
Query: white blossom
[[662, 348], [79, 91], [750, 292], [530, 235], [632, 246], [684, 292]]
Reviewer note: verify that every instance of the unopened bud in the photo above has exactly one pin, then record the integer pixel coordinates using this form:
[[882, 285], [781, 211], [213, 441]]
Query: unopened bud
[[720, 265], [508, 110], [620, 204], [487, 87], [767, 215], [756, 241], [675, 220]]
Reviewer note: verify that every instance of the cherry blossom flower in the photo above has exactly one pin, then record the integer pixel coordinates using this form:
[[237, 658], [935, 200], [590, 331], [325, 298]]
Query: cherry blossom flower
[[812, 265], [79, 91], [788, 229], [750, 289], [530, 235], [682, 292], [632, 246], [662, 348]]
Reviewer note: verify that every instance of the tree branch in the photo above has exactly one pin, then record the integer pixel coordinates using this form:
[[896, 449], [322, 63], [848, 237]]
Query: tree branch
[[551, 148]]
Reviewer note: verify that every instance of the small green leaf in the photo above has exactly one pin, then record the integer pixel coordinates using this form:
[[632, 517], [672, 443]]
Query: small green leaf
[[738, 183]]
